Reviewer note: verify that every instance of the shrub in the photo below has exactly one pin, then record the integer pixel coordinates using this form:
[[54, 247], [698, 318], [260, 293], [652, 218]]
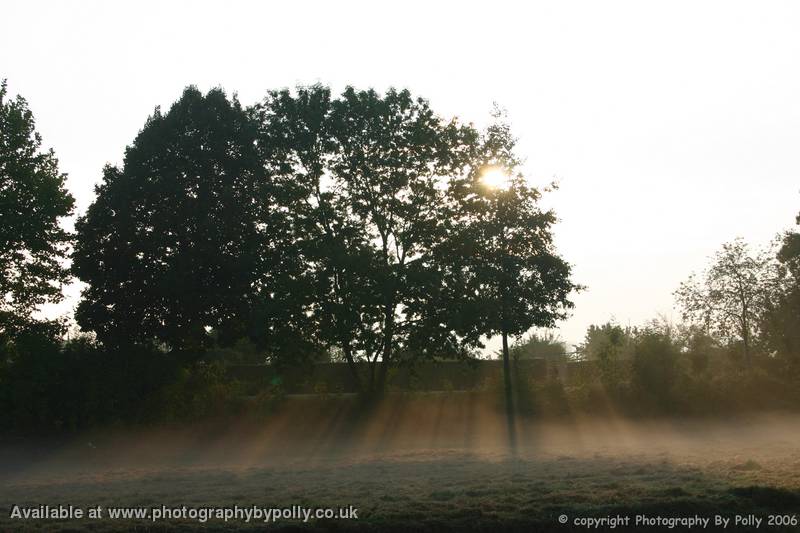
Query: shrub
[[546, 345], [655, 367], [201, 390]]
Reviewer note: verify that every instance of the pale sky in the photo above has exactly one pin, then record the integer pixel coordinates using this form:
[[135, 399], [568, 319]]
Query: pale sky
[[672, 127]]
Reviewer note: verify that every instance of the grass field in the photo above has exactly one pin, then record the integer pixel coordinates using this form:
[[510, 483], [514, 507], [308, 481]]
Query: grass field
[[428, 464]]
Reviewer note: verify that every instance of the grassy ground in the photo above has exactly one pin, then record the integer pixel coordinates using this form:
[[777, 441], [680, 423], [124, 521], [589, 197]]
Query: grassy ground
[[436, 465]]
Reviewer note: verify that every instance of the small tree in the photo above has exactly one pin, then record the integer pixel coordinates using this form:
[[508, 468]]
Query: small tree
[[33, 200], [503, 272], [730, 298]]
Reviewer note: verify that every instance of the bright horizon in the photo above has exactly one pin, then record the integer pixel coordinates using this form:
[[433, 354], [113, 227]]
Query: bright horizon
[[666, 139]]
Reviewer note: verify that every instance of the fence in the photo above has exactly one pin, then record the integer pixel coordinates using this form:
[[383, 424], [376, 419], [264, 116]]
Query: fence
[[423, 376]]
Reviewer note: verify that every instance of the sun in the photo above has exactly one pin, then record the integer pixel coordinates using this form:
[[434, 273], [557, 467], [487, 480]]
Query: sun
[[495, 177]]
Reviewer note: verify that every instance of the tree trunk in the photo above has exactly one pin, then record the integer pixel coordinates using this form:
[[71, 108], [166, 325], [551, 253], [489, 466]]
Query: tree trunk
[[351, 364], [382, 372], [507, 371], [380, 383], [746, 339], [510, 419], [748, 360]]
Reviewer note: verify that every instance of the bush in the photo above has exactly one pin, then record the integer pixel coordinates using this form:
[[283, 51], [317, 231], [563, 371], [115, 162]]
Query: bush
[[201, 390], [546, 345], [655, 367]]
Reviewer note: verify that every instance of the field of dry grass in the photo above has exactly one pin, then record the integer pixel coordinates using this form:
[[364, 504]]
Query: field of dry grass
[[434, 465]]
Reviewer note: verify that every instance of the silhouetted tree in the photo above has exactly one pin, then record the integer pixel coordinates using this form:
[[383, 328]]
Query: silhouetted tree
[[731, 298], [362, 173], [177, 242], [503, 270], [782, 321], [33, 199], [789, 253]]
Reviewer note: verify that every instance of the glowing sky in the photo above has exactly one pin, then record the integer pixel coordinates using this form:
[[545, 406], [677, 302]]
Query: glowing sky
[[672, 127]]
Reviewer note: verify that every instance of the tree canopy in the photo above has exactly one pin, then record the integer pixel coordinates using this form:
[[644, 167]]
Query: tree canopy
[[357, 223], [33, 202], [174, 244], [500, 255], [731, 297], [363, 172], [782, 320]]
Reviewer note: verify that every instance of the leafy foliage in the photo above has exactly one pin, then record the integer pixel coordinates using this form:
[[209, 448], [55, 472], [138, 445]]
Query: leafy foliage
[[605, 342], [361, 227], [177, 240], [361, 173], [655, 366], [731, 298], [546, 345], [33, 200], [610, 346], [503, 273], [782, 320]]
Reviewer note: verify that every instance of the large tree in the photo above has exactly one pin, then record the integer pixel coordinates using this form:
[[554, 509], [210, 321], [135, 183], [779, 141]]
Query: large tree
[[363, 173], [504, 275], [33, 200], [177, 242]]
